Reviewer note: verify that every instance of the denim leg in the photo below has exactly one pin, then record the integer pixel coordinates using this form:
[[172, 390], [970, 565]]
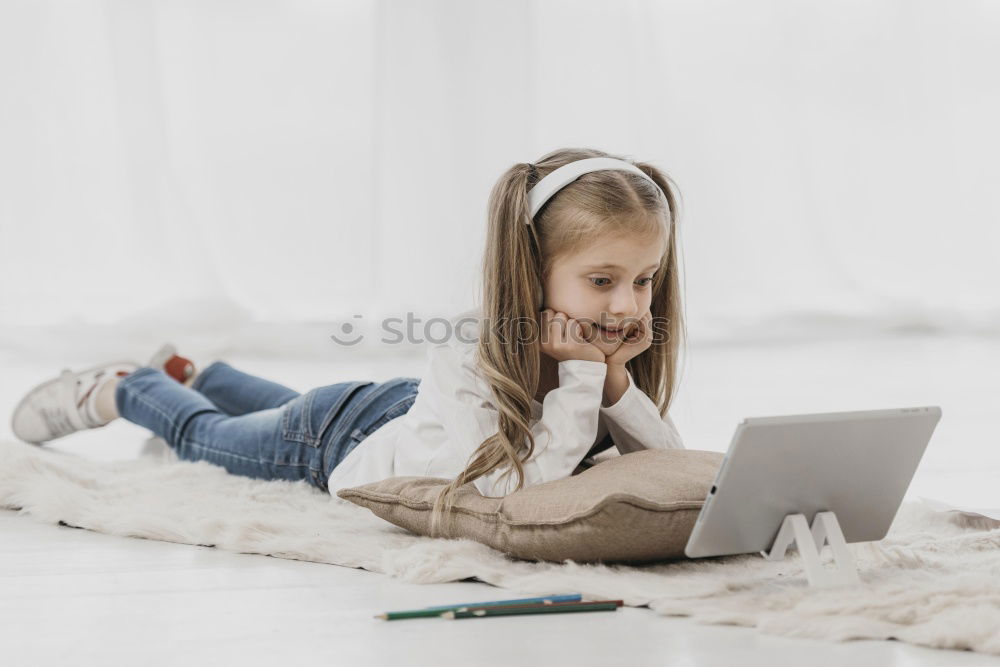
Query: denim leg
[[239, 393], [251, 445], [370, 408]]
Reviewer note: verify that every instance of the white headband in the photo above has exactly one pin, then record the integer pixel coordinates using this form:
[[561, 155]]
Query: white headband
[[568, 173]]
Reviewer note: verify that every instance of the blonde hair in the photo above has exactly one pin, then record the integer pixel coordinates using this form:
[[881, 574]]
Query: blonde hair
[[517, 258]]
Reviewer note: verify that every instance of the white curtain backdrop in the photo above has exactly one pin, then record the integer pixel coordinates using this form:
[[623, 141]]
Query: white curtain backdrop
[[253, 173]]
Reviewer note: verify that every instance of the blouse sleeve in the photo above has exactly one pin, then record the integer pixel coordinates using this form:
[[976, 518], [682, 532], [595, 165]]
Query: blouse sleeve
[[563, 435], [634, 423]]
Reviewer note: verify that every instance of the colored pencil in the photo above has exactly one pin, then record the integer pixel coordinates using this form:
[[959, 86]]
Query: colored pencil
[[515, 610], [575, 597], [618, 603], [428, 612]]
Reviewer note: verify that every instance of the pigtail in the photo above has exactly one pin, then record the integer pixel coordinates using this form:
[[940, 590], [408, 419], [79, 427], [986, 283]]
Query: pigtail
[[508, 351], [656, 370]]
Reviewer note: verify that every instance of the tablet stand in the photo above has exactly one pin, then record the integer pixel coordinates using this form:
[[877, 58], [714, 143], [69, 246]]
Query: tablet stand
[[825, 529]]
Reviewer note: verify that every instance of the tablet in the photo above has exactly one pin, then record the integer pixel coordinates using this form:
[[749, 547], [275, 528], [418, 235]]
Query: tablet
[[855, 464]]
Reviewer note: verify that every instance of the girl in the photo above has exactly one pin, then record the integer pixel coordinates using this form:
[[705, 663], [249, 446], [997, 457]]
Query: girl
[[574, 350]]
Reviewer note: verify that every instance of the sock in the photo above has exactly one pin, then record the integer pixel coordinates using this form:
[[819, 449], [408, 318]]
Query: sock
[[101, 403]]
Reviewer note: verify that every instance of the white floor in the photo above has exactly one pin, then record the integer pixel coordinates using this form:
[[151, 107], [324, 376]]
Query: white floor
[[75, 596]]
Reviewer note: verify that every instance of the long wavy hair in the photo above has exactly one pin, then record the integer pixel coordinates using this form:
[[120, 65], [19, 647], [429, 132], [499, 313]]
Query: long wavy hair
[[518, 257]]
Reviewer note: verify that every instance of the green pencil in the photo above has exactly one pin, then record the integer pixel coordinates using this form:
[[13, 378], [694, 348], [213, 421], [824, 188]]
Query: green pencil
[[433, 612], [515, 610]]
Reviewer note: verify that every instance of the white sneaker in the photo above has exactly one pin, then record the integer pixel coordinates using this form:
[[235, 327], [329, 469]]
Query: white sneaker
[[65, 404]]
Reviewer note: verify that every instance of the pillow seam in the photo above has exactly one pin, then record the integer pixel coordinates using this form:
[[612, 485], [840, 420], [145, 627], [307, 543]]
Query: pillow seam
[[498, 517]]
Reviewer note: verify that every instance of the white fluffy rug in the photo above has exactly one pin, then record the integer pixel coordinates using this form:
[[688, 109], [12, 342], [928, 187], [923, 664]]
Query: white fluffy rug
[[934, 581]]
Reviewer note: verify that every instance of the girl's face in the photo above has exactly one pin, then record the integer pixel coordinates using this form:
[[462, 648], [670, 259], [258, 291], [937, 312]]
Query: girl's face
[[609, 283]]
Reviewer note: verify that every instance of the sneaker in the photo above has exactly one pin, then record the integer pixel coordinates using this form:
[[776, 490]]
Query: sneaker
[[65, 404], [174, 365]]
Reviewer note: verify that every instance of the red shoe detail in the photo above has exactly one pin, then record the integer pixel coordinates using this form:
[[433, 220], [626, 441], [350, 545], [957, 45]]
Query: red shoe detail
[[179, 368]]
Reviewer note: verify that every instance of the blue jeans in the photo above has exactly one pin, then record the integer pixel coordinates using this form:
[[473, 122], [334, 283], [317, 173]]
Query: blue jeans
[[258, 428]]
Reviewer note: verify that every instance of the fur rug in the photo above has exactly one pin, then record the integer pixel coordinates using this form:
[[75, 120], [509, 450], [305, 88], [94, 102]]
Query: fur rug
[[934, 580]]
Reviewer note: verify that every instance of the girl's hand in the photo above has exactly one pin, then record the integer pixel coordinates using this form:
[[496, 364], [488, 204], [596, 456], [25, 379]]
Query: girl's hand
[[564, 338], [636, 341]]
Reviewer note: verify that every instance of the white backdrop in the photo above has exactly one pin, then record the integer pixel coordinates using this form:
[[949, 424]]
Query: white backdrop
[[252, 172]]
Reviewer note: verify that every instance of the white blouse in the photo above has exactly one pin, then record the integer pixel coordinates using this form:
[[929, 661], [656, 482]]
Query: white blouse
[[453, 413]]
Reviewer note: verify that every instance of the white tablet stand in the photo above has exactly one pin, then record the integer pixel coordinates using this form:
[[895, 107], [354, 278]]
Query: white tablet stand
[[825, 529]]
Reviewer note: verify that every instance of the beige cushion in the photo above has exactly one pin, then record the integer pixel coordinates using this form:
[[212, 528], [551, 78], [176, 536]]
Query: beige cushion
[[635, 508]]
